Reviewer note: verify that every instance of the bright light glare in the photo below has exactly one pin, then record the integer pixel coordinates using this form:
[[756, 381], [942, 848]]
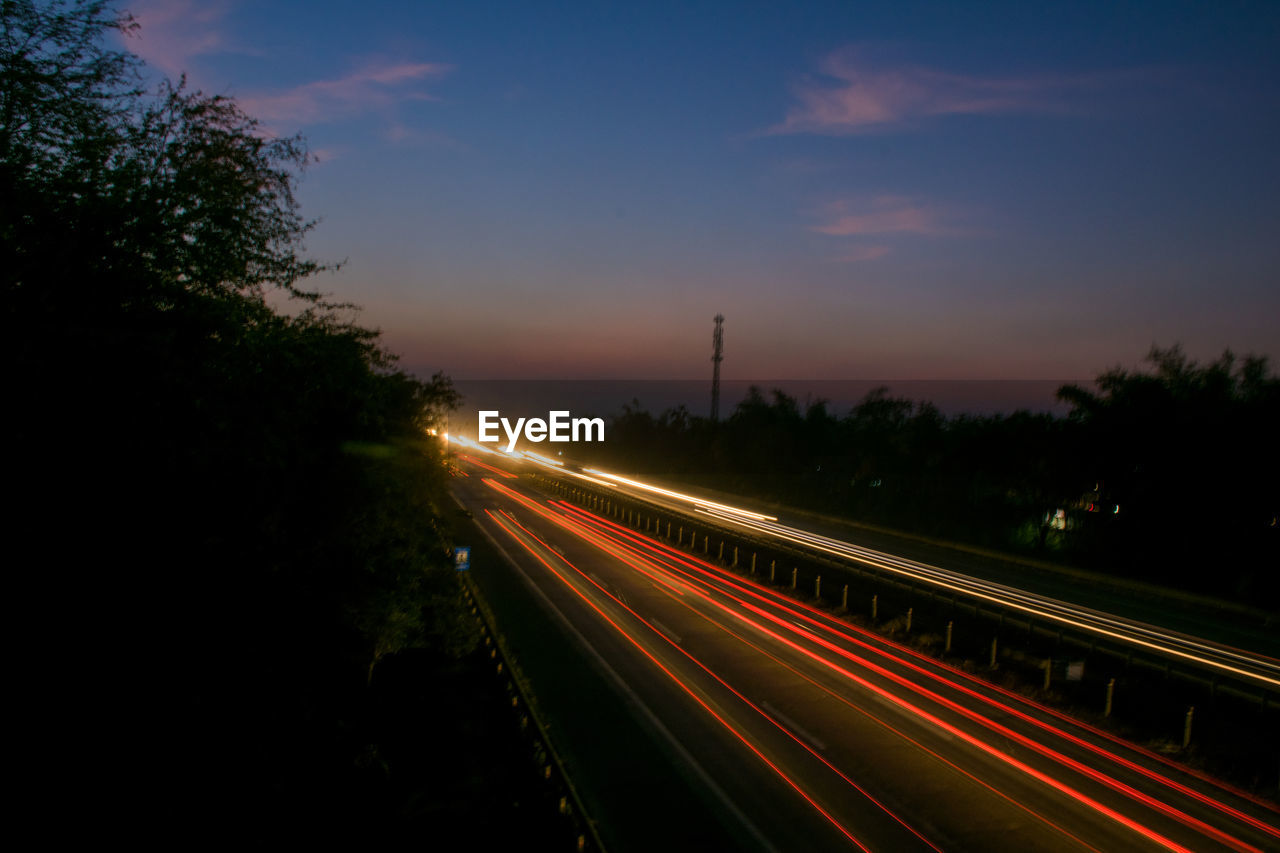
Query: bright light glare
[[473, 445], [545, 460], [687, 498]]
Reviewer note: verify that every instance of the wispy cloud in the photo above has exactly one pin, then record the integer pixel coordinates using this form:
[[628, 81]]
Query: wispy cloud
[[856, 97], [172, 33], [881, 215], [375, 87]]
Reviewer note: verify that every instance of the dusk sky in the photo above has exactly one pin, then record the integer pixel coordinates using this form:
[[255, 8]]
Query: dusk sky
[[890, 191]]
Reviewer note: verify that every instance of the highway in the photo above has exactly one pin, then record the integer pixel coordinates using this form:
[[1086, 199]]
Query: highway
[[1247, 666], [803, 732]]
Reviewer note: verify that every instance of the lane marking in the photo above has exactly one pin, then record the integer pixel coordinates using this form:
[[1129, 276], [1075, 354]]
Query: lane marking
[[795, 727], [665, 631], [635, 701]]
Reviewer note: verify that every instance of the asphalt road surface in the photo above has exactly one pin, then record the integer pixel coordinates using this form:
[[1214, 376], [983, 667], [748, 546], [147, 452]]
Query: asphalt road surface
[[784, 728]]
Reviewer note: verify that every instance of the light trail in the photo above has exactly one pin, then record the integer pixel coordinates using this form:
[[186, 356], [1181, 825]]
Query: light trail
[[740, 736], [772, 718], [498, 471], [698, 502], [1224, 659], [843, 631], [1057, 757], [924, 715], [1255, 667]]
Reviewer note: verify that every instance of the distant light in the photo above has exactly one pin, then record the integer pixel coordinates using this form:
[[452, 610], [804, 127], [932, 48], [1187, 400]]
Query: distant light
[[545, 460], [1116, 510], [677, 495]]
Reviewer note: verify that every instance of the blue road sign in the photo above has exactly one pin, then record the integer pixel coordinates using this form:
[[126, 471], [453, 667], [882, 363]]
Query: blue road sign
[[462, 558]]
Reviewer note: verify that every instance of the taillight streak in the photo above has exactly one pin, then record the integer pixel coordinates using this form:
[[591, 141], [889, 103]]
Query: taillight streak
[[683, 686], [1042, 749], [841, 630]]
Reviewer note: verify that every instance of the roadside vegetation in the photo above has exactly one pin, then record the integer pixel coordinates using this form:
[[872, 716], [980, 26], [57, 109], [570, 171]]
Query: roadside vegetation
[[1169, 475], [230, 504]]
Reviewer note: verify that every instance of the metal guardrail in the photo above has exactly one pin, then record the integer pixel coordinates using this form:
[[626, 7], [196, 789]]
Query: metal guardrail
[[570, 804]]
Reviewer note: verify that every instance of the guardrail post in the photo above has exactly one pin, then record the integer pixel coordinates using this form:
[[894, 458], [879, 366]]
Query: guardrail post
[[706, 544], [773, 568], [994, 641], [679, 536], [668, 531], [794, 572], [817, 587], [1186, 728], [1048, 669], [753, 563], [1111, 692], [844, 598], [721, 557], [909, 610], [735, 556], [946, 650], [874, 601]]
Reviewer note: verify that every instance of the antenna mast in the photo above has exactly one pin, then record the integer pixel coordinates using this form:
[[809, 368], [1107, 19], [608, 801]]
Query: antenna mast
[[717, 356]]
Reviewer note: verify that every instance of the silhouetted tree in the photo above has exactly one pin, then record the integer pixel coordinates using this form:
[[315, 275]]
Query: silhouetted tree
[[245, 497]]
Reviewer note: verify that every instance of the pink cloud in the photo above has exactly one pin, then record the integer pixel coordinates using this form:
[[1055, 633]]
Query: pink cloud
[[172, 33], [325, 100], [857, 98], [883, 215]]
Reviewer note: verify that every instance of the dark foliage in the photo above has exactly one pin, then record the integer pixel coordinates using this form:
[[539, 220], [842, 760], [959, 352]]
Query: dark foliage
[[237, 510], [1169, 475]]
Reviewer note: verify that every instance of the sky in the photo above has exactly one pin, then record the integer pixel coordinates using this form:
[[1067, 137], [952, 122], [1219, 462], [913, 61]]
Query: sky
[[865, 190]]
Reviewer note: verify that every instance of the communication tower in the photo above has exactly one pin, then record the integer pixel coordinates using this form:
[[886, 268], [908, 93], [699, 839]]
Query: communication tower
[[717, 356]]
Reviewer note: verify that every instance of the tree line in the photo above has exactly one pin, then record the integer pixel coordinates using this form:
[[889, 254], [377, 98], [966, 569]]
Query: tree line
[[228, 508], [1168, 474]]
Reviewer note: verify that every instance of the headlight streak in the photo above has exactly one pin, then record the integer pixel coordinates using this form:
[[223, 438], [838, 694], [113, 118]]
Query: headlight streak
[[560, 470], [1004, 596], [543, 460], [700, 502], [477, 462], [1116, 785], [683, 686], [839, 628]]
